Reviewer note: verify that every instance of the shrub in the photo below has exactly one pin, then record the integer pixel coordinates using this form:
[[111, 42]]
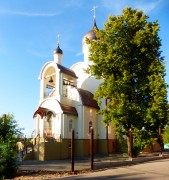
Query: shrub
[[9, 132]]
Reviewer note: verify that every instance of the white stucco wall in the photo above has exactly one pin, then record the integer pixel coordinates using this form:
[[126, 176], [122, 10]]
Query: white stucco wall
[[89, 115], [91, 84], [78, 68], [80, 121], [57, 126], [85, 50], [111, 132], [66, 131], [52, 104], [85, 81]]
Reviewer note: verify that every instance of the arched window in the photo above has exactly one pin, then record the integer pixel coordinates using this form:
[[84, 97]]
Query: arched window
[[48, 124], [70, 125], [90, 125]]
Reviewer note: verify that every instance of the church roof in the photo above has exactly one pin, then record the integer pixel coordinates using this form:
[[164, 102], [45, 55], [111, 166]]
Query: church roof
[[68, 109], [42, 112], [65, 108], [88, 98], [66, 70]]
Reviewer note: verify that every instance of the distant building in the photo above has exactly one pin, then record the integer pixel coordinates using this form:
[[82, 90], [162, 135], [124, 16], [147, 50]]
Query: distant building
[[66, 103]]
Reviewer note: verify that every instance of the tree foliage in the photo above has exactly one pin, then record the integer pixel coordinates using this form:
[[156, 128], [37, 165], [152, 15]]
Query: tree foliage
[[9, 133], [127, 56], [166, 135]]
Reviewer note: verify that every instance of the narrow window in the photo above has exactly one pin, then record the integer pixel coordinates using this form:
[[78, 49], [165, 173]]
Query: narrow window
[[90, 125], [70, 125]]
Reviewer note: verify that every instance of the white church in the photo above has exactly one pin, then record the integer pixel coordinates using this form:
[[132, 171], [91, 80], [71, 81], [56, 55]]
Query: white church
[[66, 103]]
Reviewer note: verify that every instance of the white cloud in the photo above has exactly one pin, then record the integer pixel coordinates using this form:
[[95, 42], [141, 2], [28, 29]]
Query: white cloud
[[117, 6], [24, 13], [37, 53], [148, 6], [74, 3], [79, 54]]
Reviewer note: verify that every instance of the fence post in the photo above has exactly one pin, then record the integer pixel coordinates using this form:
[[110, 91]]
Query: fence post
[[91, 147], [72, 151]]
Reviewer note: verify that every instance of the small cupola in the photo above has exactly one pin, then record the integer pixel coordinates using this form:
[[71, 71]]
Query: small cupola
[[58, 54]]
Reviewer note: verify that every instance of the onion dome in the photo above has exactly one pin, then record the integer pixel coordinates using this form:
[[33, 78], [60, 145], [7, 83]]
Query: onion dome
[[91, 35], [58, 54], [58, 50]]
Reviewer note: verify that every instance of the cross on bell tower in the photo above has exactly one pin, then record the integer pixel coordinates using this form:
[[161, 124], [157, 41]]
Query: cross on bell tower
[[58, 37], [58, 53]]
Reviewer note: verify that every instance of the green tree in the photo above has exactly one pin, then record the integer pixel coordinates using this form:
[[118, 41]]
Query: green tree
[[9, 133], [166, 135], [127, 56]]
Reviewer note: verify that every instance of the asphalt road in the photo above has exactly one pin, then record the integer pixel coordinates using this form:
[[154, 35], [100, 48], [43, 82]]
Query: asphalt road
[[149, 170]]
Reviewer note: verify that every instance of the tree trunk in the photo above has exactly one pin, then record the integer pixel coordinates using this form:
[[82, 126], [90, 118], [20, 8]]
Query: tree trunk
[[130, 144], [161, 143]]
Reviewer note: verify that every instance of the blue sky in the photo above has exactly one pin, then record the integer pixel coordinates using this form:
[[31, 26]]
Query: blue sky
[[28, 37]]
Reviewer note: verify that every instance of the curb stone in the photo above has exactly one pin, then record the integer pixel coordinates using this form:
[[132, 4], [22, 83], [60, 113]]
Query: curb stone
[[103, 164]]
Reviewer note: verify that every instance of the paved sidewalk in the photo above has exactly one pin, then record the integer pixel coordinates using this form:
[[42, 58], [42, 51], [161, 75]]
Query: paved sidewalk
[[100, 162], [54, 165]]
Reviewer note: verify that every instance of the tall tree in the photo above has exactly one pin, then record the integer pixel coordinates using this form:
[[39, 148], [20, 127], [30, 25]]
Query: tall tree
[[127, 56]]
